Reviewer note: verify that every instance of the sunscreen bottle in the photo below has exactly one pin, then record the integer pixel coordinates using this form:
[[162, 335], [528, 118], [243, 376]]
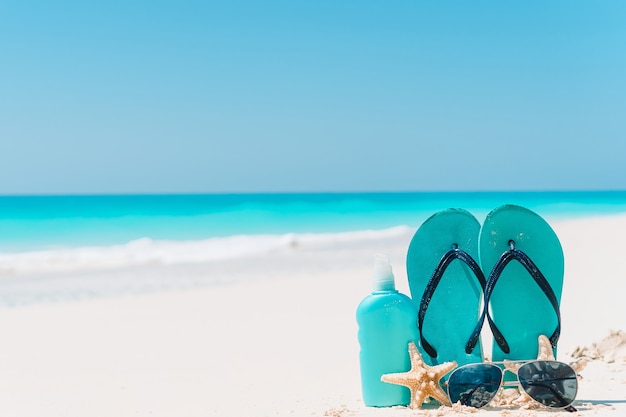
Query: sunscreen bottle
[[387, 323]]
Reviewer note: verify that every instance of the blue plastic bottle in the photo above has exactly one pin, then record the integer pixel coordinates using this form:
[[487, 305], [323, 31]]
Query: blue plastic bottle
[[387, 323]]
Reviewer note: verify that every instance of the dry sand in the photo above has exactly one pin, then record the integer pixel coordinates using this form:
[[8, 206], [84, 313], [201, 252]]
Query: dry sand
[[279, 341]]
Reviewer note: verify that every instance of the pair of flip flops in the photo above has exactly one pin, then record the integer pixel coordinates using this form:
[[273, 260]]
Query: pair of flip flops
[[508, 272]]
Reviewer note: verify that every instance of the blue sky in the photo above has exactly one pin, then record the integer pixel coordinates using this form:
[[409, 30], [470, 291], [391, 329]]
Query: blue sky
[[267, 96]]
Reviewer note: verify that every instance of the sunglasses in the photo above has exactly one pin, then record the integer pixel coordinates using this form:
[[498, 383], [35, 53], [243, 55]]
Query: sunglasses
[[550, 383]]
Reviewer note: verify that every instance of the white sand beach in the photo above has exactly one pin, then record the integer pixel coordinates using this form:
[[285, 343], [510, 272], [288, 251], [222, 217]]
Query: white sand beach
[[278, 341]]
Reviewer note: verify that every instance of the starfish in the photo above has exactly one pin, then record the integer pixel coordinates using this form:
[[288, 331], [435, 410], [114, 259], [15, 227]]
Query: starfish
[[422, 380], [545, 353]]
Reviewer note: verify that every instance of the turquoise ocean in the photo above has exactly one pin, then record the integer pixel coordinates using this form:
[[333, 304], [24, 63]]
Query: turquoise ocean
[[66, 247], [35, 223], [42, 232]]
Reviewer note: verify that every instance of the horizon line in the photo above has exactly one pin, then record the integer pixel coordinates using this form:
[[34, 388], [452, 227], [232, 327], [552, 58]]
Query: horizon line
[[355, 192]]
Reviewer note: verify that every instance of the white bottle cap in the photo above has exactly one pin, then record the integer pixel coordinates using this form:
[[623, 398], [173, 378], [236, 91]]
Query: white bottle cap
[[383, 275]]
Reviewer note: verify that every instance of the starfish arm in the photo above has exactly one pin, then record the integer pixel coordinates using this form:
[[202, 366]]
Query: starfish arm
[[416, 358], [441, 370], [512, 366], [439, 394], [417, 400], [403, 379], [545, 349]]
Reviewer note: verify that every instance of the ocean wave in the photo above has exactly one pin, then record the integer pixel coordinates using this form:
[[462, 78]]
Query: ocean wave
[[146, 251]]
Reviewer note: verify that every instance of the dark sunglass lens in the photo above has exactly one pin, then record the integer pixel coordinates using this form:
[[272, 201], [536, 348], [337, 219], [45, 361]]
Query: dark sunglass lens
[[551, 383], [474, 385]]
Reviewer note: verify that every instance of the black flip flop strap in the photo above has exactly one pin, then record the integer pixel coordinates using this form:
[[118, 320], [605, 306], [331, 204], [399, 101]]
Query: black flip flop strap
[[541, 281], [444, 262]]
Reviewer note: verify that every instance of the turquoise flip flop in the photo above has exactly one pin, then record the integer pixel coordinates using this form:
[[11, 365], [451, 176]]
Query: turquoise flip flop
[[445, 284], [522, 297]]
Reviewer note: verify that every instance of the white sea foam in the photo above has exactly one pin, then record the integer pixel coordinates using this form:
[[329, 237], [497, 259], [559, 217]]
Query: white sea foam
[[146, 251]]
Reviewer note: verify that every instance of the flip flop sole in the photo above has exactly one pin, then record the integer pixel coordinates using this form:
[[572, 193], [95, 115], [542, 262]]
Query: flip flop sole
[[519, 307], [453, 310]]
